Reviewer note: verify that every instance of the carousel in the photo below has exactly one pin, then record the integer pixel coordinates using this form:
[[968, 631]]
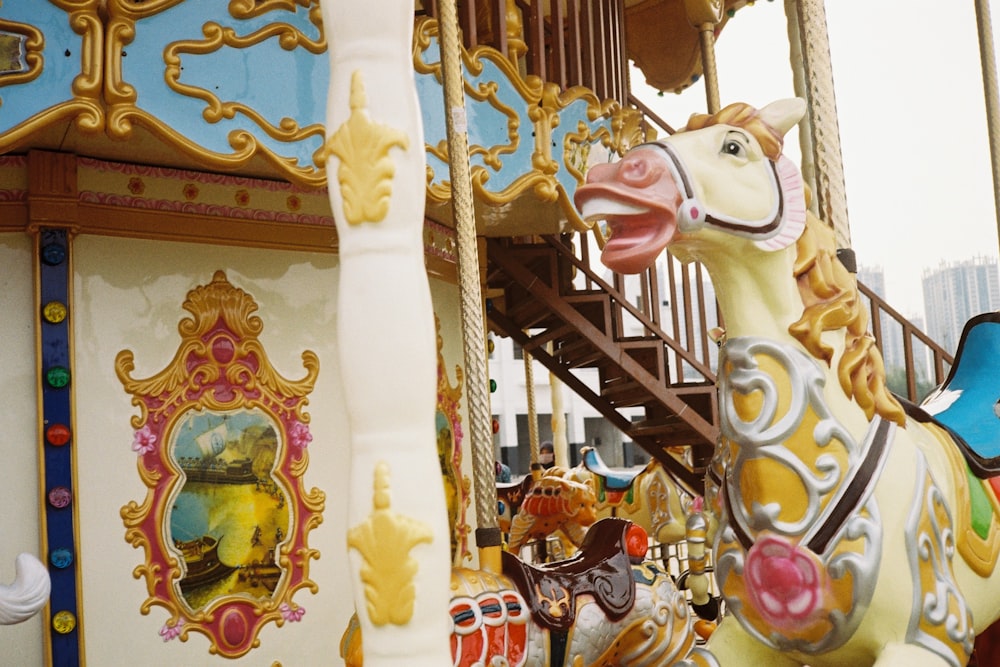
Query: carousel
[[253, 257]]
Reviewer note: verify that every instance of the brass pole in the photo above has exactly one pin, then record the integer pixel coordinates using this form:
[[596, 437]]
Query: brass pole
[[709, 69], [704, 15]]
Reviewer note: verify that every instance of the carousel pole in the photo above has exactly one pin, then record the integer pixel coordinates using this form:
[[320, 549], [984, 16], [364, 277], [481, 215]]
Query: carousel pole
[[819, 134], [560, 444], [488, 537], [398, 536], [529, 381], [987, 57], [705, 15]]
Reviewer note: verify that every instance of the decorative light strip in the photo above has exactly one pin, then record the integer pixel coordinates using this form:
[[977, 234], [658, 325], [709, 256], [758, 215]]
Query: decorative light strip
[[57, 446]]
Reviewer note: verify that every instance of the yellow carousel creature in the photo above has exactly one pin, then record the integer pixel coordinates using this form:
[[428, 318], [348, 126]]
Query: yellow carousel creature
[[854, 529]]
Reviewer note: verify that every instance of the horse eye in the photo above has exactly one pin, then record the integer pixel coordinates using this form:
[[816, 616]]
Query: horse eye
[[732, 148]]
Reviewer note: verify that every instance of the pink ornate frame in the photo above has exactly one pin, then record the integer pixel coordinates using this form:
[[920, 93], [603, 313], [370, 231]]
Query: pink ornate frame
[[221, 370]]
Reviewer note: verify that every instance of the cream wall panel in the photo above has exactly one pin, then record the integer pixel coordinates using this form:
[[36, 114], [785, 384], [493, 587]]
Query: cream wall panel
[[128, 296], [20, 530]]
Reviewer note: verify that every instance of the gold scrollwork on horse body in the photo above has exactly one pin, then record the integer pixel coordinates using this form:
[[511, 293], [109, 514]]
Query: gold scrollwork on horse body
[[458, 488], [980, 553], [778, 427], [940, 619]]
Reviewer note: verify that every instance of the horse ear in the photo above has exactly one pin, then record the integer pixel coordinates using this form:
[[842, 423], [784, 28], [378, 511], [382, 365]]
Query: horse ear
[[784, 114]]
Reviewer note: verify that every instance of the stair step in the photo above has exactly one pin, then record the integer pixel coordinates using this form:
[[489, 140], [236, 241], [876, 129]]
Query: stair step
[[578, 353], [532, 314], [657, 428], [579, 329], [626, 393], [595, 308], [649, 354]]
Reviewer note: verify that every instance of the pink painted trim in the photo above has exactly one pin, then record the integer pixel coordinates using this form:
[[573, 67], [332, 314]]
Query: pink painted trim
[[13, 195], [263, 215], [196, 176]]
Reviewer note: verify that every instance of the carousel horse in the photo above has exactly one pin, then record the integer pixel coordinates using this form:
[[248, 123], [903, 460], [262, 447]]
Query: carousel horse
[[553, 504], [605, 606], [27, 594], [648, 496], [853, 529]]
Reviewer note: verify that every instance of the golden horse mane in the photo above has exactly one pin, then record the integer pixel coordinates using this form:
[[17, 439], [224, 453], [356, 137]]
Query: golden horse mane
[[830, 295], [744, 116]]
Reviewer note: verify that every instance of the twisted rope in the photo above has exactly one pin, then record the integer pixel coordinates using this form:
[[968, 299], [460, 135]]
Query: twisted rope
[[814, 81], [474, 339], [987, 53], [529, 379]]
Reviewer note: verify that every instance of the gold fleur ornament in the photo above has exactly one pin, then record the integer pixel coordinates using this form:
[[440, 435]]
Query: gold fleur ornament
[[385, 540], [366, 170]]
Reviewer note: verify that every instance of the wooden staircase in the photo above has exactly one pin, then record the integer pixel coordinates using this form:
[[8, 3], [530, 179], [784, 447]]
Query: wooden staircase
[[568, 318], [548, 299]]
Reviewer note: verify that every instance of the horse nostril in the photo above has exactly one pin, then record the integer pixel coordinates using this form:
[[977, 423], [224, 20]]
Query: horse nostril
[[637, 171]]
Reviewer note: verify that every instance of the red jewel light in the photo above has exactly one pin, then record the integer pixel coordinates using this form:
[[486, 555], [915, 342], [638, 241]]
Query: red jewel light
[[57, 434]]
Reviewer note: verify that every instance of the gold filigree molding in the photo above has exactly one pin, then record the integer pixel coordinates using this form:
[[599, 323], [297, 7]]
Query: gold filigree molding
[[366, 171], [33, 42], [530, 90], [218, 37], [543, 105], [625, 132], [122, 97], [384, 541], [222, 371], [246, 9], [209, 304], [85, 109]]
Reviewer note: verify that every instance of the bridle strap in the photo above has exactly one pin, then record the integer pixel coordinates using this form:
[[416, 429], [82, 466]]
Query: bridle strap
[[752, 230]]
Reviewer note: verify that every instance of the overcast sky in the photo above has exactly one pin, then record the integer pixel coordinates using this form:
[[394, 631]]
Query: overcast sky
[[912, 120]]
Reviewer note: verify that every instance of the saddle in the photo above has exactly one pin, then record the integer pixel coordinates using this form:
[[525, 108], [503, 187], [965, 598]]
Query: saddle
[[602, 568], [967, 404], [612, 485]]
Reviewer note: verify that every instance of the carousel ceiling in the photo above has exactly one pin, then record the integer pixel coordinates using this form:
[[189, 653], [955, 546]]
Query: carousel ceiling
[[663, 44], [241, 89]]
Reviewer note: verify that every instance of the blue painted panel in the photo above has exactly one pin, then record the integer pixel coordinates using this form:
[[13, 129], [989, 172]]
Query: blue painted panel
[[272, 81]]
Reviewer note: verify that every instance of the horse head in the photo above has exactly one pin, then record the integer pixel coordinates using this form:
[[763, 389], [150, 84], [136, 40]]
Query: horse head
[[724, 173]]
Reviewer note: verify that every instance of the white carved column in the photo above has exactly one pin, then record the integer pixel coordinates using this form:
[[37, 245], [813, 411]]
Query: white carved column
[[398, 539]]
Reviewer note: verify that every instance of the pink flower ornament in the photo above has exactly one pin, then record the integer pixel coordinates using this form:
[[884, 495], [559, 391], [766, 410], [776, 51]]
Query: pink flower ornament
[[299, 435], [291, 615], [786, 583], [169, 632], [144, 441]]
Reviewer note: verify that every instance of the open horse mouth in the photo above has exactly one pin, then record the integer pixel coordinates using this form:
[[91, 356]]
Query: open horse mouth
[[639, 200]]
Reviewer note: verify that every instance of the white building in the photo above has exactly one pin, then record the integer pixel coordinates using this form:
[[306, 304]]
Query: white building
[[956, 291]]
